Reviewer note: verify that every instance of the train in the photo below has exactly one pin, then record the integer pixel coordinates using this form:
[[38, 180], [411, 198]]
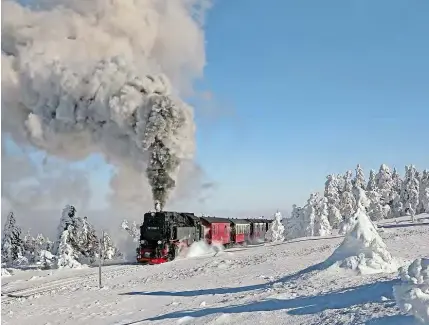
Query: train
[[164, 233]]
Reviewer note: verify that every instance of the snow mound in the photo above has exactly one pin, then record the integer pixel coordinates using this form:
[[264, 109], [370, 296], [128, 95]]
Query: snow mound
[[363, 250], [412, 295], [202, 248], [5, 272]]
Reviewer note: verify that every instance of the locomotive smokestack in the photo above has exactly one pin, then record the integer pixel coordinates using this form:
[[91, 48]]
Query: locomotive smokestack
[[158, 207]]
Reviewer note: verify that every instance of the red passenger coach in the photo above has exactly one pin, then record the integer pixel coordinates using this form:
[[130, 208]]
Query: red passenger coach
[[217, 230], [240, 231]]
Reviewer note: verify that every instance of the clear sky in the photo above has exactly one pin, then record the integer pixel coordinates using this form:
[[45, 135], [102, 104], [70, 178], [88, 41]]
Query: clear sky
[[314, 87], [301, 89]]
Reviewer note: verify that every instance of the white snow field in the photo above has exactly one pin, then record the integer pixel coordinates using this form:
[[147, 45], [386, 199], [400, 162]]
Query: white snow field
[[279, 283]]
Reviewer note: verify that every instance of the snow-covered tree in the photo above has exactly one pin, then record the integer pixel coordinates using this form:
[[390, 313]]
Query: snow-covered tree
[[12, 247], [308, 218], [66, 254], [340, 183], [348, 200], [46, 260], [372, 185], [132, 230], [410, 191], [333, 200], [322, 227], [362, 201], [40, 242], [376, 210], [425, 200], [49, 245], [69, 218], [67, 247], [276, 231], [88, 241], [397, 206], [30, 248], [109, 250], [396, 181], [359, 180], [347, 181], [293, 224], [423, 193], [384, 183]]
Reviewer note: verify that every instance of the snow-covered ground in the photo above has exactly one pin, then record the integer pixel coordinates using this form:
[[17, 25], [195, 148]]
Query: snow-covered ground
[[280, 283]]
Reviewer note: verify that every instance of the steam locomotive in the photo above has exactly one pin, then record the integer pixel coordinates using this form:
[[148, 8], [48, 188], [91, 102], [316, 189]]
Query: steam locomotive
[[163, 233]]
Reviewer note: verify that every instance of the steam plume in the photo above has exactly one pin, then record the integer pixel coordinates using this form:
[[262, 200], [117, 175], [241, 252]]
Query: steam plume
[[104, 76]]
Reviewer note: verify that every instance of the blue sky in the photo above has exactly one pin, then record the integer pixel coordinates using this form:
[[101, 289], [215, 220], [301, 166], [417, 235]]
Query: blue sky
[[306, 88], [313, 87]]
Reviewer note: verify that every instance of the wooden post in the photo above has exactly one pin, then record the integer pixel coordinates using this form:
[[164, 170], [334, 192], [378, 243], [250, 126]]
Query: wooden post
[[100, 253]]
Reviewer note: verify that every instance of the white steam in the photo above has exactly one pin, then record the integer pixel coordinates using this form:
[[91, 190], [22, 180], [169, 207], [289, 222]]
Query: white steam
[[83, 77]]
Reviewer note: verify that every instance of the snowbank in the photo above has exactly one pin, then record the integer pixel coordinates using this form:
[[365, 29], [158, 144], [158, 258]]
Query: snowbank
[[363, 250], [5, 272], [412, 295]]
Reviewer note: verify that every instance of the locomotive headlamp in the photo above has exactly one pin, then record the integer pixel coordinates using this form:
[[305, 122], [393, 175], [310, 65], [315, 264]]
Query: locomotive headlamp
[[143, 242], [159, 242]]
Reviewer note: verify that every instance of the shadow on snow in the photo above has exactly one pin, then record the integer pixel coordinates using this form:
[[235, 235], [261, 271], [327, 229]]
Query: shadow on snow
[[344, 298], [220, 291]]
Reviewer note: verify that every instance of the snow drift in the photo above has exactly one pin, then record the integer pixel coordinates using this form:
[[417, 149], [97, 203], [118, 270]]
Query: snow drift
[[412, 295], [363, 250]]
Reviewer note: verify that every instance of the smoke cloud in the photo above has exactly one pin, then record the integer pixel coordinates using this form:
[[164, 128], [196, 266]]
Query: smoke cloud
[[105, 76]]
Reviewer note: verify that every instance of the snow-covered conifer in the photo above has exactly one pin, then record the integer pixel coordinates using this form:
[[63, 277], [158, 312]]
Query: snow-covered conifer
[[384, 183], [276, 231], [88, 241], [40, 242], [410, 191], [376, 210], [308, 218], [49, 245], [30, 248], [340, 183], [396, 181], [109, 251], [347, 181], [66, 254], [397, 206], [347, 202], [322, 226], [67, 247], [362, 201], [359, 180], [293, 223], [425, 200], [46, 260], [333, 200], [12, 244], [133, 231], [69, 218], [371, 186], [423, 193]]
